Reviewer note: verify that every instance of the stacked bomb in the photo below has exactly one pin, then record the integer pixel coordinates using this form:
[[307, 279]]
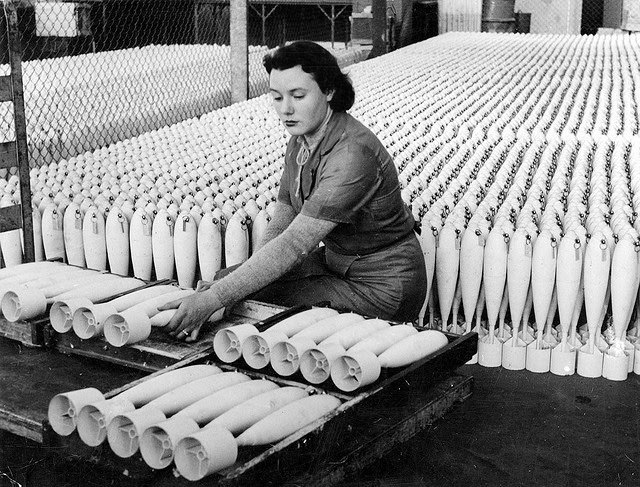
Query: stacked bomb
[[27, 290], [124, 320], [322, 343], [163, 415], [513, 151]]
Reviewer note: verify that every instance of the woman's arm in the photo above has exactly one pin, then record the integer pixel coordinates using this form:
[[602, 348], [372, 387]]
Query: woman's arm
[[282, 217], [265, 266]]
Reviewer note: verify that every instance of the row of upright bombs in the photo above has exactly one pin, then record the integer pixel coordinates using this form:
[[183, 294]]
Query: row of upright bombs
[[506, 168], [167, 204], [197, 416], [147, 245], [321, 343], [538, 91], [548, 226], [160, 219]]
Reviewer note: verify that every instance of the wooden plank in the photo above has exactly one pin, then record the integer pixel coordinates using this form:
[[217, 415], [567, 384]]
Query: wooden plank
[[99, 349], [8, 155], [10, 218], [17, 333], [21, 426], [20, 122], [6, 94], [256, 309], [29, 333]]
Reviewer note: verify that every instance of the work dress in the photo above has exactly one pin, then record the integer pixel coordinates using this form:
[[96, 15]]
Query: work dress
[[371, 262]]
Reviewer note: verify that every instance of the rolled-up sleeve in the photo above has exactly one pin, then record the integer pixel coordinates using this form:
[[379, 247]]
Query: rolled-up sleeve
[[346, 183]]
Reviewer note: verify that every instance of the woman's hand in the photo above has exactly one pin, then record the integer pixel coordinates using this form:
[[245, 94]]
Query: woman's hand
[[192, 312]]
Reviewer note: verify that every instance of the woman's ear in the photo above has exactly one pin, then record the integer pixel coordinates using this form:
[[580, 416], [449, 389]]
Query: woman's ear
[[330, 95]]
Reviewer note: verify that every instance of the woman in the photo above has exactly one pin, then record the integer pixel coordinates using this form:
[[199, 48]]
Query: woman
[[339, 187]]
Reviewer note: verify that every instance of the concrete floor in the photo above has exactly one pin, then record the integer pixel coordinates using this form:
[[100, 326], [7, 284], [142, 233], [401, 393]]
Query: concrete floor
[[521, 429]]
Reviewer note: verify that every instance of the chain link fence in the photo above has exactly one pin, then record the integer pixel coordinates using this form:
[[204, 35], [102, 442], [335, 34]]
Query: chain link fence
[[101, 71]]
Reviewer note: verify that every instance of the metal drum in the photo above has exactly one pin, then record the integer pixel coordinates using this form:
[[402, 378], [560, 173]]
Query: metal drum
[[498, 16]]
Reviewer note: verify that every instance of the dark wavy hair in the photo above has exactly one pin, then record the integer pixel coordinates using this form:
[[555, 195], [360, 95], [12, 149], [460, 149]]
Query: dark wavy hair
[[320, 64]]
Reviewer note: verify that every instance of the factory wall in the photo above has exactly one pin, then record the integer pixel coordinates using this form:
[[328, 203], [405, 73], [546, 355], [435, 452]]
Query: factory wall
[[124, 25]]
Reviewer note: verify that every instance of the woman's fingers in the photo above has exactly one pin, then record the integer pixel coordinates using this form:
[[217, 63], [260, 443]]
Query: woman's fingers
[[174, 324], [193, 336], [171, 305], [193, 311], [189, 334]]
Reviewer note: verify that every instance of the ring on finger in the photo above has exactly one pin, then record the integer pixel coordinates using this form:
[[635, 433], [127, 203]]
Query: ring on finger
[[185, 332]]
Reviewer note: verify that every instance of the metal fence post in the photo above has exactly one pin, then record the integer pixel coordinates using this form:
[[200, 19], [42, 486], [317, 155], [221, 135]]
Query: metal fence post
[[239, 51], [378, 28]]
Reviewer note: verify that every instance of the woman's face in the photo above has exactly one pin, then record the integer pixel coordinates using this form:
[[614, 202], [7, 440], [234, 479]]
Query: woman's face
[[297, 98]]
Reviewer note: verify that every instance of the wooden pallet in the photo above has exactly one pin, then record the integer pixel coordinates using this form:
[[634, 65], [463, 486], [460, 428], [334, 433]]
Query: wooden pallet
[[369, 423], [29, 333]]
